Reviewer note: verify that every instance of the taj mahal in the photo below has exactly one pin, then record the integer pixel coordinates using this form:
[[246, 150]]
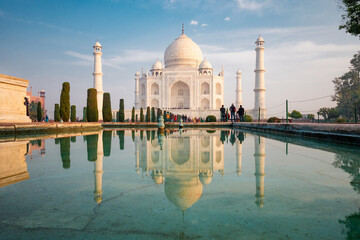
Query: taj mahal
[[186, 84]]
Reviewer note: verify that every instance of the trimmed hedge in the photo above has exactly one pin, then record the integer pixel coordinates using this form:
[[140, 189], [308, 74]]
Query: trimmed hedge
[[148, 117], [38, 112], [121, 111], [92, 109], [133, 114], [107, 108], [273, 119], [141, 115], [153, 117], [73, 113], [57, 113], [84, 114], [248, 118], [65, 102], [211, 118]]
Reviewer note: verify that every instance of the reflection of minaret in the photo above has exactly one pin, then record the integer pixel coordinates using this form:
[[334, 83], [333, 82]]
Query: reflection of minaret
[[98, 171], [238, 158], [259, 170], [137, 154]]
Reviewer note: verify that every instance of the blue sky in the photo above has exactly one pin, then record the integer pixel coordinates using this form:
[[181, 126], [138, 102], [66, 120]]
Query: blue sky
[[49, 42]]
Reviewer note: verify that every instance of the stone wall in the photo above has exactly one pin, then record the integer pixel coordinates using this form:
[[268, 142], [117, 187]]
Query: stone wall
[[12, 94]]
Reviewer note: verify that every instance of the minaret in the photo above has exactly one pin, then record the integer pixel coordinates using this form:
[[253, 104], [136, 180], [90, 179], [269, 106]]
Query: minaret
[[98, 170], [98, 77], [238, 90], [259, 169], [259, 80], [137, 96], [238, 158]]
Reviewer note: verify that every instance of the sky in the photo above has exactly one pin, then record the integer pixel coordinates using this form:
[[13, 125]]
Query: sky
[[50, 42]]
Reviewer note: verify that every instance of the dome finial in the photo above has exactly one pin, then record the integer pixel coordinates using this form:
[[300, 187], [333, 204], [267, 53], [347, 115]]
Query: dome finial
[[182, 28]]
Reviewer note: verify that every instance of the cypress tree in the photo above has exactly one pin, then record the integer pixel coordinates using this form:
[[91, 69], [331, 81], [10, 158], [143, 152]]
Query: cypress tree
[[141, 115], [65, 102], [84, 114], [57, 113], [73, 113], [153, 117], [148, 119], [136, 118], [39, 113], [121, 111], [133, 114], [92, 109], [107, 108]]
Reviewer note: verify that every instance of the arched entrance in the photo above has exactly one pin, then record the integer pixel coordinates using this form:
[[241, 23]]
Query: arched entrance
[[180, 95]]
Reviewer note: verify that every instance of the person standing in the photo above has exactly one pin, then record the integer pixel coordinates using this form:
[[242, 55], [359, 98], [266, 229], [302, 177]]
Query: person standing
[[241, 112], [222, 113], [232, 111]]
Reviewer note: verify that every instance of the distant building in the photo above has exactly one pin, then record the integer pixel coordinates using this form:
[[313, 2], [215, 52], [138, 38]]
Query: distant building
[[35, 99]]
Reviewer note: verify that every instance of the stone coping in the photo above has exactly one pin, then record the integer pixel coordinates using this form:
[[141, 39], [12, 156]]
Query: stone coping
[[349, 133]]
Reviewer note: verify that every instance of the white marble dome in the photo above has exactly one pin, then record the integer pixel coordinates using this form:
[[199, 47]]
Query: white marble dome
[[182, 51], [205, 65], [157, 65]]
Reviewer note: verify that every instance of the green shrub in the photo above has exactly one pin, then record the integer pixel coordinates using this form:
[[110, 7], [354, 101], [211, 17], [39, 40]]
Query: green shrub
[[84, 114], [133, 114], [92, 108], [248, 118], [141, 115], [57, 113], [273, 119], [65, 102], [73, 113], [107, 117], [38, 112], [153, 117], [340, 120], [211, 118], [121, 114], [148, 116]]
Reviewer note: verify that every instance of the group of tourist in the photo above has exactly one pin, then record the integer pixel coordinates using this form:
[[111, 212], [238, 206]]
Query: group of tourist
[[234, 115]]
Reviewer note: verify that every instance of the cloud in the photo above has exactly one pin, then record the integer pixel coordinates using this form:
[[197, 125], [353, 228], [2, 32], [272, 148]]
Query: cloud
[[252, 5], [204, 25], [117, 61], [227, 19], [193, 22]]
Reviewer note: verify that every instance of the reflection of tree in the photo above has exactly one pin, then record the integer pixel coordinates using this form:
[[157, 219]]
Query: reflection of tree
[[240, 137], [351, 165], [133, 135], [107, 143], [92, 144], [121, 138], [65, 151], [352, 224], [73, 139], [148, 135], [57, 141], [152, 135], [141, 135]]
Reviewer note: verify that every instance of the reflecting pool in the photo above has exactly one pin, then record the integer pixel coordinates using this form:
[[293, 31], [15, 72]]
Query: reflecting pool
[[193, 184]]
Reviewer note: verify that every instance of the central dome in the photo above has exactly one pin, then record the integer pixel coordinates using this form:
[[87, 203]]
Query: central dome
[[183, 51]]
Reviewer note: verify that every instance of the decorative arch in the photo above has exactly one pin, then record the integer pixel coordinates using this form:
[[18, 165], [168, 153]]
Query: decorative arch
[[155, 103], [180, 150], [205, 141], [154, 89], [205, 88], [180, 95], [218, 104], [218, 88], [205, 157], [205, 104]]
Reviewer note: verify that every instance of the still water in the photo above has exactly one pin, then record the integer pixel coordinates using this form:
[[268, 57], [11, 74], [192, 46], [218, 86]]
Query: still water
[[195, 184]]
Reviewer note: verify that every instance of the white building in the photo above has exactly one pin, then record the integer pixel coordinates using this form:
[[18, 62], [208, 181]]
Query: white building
[[185, 85]]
